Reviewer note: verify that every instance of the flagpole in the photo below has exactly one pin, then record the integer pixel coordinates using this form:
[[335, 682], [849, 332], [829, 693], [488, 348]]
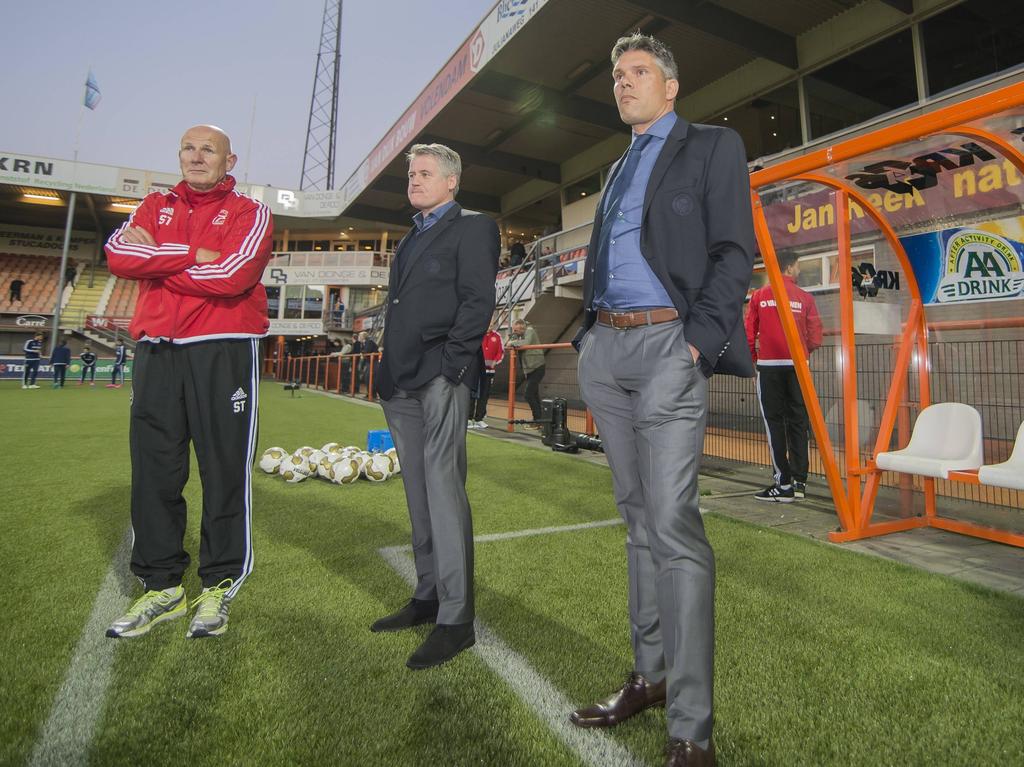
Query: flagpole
[[67, 229]]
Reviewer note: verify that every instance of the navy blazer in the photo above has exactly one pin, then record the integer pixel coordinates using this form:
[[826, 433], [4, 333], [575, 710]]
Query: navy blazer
[[697, 235], [440, 300]]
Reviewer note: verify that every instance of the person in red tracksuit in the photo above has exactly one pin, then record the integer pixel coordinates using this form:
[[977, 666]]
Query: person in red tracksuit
[[198, 253], [782, 404], [494, 352]]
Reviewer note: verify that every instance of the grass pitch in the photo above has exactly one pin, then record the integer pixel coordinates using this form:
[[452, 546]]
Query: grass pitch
[[824, 657]]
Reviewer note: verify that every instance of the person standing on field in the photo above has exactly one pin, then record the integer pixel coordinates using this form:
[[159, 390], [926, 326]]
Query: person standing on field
[[198, 252]]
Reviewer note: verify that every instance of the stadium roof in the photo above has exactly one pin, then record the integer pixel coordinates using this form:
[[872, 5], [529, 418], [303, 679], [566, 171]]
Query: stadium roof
[[540, 112]]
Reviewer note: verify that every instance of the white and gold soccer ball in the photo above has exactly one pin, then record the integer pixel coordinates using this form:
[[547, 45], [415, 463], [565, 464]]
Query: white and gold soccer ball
[[323, 467], [396, 467], [330, 447], [344, 472], [294, 468], [314, 459], [271, 459], [379, 467]]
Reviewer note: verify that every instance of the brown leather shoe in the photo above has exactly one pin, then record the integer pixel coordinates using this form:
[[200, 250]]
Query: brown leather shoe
[[636, 695], [686, 753]]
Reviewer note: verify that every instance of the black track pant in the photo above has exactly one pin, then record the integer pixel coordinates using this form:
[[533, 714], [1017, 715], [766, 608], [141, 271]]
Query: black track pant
[[206, 393], [28, 378], [478, 407], [785, 418], [59, 373], [115, 372], [89, 370]]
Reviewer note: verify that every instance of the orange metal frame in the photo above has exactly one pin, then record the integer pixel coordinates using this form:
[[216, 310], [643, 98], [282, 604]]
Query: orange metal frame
[[855, 499]]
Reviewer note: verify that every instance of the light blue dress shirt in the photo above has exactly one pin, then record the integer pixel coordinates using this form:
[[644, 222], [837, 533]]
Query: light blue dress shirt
[[631, 284]]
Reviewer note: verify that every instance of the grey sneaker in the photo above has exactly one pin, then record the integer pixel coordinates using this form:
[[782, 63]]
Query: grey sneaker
[[151, 608], [211, 616]]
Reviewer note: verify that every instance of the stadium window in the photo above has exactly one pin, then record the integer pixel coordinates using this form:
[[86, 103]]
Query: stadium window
[[769, 124], [273, 301], [303, 246], [293, 302], [369, 244], [971, 41], [321, 245], [868, 83], [583, 188], [313, 303]]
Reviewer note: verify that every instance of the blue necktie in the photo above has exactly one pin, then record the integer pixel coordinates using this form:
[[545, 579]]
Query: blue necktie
[[614, 197]]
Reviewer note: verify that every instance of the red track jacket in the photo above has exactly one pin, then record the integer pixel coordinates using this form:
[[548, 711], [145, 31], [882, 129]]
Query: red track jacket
[[494, 349], [764, 328], [182, 301]]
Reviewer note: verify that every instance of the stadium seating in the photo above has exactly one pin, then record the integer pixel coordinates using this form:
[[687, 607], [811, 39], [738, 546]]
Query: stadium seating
[[946, 437], [41, 275], [122, 299], [1010, 473]]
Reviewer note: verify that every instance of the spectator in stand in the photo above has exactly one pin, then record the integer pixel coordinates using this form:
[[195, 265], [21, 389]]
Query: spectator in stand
[[33, 348], [517, 253], [494, 353], [16, 285], [778, 390], [120, 357], [71, 274], [60, 359], [531, 361], [88, 365], [339, 310]]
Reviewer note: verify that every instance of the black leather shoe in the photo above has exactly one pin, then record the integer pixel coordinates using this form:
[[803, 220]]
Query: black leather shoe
[[443, 644], [413, 614], [686, 753], [636, 695]]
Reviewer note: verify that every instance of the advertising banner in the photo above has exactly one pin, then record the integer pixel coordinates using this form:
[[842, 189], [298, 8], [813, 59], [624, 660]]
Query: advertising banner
[[296, 327], [969, 264], [14, 367], [326, 275], [37, 241]]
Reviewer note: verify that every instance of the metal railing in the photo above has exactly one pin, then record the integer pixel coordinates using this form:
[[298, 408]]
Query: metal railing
[[988, 376]]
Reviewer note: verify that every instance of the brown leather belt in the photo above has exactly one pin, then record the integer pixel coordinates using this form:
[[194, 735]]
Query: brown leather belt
[[624, 320]]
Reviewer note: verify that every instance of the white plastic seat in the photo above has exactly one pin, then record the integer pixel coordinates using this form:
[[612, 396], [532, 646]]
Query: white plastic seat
[[1009, 473], [946, 437]]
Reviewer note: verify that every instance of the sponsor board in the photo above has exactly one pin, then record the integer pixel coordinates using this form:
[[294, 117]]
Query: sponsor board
[[39, 241], [296, 328], [275, 276], [14, 367], [984, 262]]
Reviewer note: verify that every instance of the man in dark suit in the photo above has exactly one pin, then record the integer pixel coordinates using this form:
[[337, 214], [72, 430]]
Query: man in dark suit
[[668, 267], [440, 302]]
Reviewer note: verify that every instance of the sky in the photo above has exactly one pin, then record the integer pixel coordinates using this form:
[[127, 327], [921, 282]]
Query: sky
[[162, 67]]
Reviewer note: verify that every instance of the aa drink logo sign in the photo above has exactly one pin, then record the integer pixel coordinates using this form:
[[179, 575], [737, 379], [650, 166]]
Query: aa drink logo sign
[[969, 264], [980, 265]]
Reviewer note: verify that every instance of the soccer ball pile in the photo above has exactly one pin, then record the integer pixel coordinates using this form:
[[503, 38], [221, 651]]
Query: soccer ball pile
[[333, 462]]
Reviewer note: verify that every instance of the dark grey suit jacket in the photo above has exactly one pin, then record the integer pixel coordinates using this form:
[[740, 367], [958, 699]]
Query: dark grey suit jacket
[[697, 236], [440, 301]]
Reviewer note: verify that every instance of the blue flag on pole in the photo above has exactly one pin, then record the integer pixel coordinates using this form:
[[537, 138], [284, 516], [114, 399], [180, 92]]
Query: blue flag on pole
[[92, 91]]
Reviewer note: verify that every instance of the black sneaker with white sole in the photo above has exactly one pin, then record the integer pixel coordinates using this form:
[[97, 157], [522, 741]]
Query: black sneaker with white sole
[[799, 490], [776, 494]]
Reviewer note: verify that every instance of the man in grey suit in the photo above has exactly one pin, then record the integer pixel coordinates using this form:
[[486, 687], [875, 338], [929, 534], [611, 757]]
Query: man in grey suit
[[439, 305], [668, 267]]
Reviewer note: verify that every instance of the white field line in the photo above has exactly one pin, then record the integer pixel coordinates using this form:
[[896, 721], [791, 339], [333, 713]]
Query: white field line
[[79, 703], [594, 747]]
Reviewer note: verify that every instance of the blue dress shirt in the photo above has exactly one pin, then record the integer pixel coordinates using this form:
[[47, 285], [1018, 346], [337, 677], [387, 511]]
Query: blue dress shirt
[[631, 284], [423, 223]]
